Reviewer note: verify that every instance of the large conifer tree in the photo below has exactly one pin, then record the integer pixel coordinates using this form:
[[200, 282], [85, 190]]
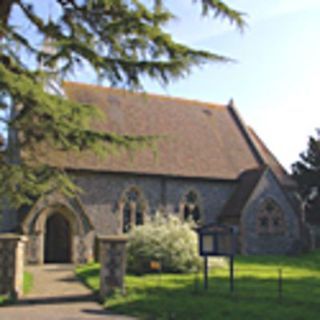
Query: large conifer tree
[[121, 40], [306, 172]]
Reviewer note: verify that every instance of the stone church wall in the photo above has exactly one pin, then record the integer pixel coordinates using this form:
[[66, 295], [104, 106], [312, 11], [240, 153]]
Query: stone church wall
[[100, 200], [8, 220], [213, 195], [282, 243], [102, 192]]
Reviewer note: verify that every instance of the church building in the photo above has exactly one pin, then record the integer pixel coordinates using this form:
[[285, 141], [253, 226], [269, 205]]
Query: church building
[[208, 165]]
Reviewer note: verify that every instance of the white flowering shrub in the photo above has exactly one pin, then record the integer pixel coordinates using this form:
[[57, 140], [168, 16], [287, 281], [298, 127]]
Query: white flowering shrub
[[167, 240]]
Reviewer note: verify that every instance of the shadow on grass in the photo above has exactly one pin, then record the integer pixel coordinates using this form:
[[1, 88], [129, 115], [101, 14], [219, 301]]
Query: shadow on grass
[[252, 299], [256, 296], [86, 275]]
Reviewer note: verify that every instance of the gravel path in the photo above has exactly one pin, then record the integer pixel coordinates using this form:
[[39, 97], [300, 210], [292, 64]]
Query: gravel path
[[57, 295]]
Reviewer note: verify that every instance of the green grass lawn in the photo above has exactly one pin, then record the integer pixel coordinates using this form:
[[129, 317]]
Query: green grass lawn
[[27, 282], [174, 296], [27, 286]]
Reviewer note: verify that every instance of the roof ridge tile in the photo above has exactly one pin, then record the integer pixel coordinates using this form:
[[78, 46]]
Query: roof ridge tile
[[147, 94]]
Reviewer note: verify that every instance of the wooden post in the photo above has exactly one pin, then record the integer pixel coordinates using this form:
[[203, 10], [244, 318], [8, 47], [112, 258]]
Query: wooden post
[[231, 274], [206, 280], [280, 284]]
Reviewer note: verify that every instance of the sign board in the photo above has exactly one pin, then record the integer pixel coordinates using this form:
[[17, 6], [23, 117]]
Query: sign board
[[207, 244], [216, 240]]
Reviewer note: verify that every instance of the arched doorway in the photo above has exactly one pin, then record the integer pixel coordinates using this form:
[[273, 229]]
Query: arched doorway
[[57, 239]]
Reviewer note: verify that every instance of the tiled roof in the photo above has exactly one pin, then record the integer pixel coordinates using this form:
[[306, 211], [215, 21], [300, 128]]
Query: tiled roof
[[271, 161], [247, 183], [201, 139]]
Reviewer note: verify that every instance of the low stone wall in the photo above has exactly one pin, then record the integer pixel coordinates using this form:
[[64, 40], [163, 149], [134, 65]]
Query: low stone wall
[[112, 254], [12, 264]]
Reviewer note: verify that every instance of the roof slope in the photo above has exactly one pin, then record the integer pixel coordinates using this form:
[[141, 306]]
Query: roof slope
[[247, 183], [270, 160], [201, 139]]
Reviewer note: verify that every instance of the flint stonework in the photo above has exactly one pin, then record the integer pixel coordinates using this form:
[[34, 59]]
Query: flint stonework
[[113, 264], [12, 264]]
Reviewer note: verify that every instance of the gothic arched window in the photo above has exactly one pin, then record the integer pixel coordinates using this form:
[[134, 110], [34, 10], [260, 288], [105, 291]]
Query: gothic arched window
[[270, 218], [133, 209], [190, 207]]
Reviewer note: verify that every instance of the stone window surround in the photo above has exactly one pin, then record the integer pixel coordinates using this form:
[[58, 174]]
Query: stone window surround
[[145, 206], [133, 205], [266, 218], [184, 202]]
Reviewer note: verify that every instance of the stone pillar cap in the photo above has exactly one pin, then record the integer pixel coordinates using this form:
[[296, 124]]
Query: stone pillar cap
[[13, 236], [114, 238]]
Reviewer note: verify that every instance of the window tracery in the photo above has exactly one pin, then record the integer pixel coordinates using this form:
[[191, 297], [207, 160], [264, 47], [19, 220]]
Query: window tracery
[[190, 208], [270, 218], [132, 207]]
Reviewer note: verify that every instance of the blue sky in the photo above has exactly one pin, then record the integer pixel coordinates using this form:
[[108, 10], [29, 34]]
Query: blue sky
[[275, 81]]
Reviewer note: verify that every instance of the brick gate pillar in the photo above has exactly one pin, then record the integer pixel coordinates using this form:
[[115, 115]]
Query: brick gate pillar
[[112, 254], [12, 248]]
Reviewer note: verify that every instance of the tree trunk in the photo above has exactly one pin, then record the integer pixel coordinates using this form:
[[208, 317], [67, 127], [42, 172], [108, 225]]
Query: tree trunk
[[5, 9]]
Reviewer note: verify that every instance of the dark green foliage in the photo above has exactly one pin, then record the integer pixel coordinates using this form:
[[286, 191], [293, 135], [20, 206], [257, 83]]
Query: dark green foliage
[[306, 172], [121, 40]]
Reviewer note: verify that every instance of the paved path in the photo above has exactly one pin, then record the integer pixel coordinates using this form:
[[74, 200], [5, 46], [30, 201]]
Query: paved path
[[57, 295]]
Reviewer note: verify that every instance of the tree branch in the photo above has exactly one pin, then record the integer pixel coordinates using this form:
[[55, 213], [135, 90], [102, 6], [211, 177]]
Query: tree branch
[[5, 10], [4, 120]]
